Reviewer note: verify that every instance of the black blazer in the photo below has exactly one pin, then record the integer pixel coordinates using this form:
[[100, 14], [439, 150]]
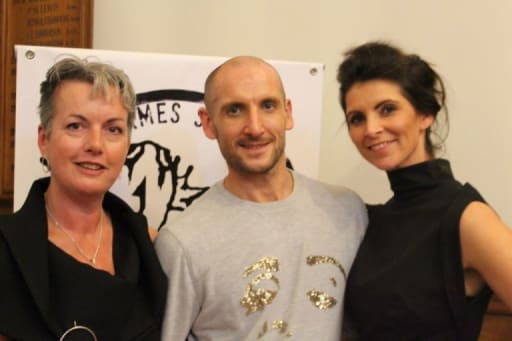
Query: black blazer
[[25, 306]]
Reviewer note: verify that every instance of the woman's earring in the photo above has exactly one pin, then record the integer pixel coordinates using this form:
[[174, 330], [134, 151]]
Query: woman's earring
[[44, 164]]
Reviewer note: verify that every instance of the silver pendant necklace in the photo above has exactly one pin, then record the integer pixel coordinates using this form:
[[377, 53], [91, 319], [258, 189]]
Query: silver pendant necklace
[[92, 259]]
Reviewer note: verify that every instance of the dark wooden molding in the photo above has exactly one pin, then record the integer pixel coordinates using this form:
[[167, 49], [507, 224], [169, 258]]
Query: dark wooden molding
[[496, 306], [66, 23], [497, 324]]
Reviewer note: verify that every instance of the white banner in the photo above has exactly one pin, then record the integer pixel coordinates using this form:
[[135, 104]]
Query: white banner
[[170, 162]]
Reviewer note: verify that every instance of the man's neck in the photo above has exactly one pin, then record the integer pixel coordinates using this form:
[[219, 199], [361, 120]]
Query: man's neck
[[272, 186]]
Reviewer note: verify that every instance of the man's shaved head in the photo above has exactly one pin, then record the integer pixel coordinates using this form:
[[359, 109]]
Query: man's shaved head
[[239, 62]]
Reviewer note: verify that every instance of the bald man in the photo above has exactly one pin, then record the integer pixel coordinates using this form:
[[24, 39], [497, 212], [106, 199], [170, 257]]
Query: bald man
[[265, 252]]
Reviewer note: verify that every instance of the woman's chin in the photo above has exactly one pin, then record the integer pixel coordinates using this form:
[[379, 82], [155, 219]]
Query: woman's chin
[[384, 165]]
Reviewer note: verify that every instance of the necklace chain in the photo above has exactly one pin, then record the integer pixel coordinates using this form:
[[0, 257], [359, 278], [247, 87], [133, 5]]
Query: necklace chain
[[61, 227]]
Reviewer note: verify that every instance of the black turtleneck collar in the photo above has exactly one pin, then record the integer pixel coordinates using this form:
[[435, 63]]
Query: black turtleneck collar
[[412, 180]]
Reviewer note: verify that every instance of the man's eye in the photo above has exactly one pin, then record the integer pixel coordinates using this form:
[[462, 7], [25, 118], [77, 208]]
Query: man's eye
[[269, 105], [234, 110]]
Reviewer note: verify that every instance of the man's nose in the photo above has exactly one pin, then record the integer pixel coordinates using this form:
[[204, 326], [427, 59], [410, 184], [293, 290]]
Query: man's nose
[[254, 124]]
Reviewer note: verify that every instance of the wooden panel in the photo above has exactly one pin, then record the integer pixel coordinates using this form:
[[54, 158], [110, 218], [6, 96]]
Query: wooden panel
[[32, 22], [496, 328], [496, 306], [5, 203], [498, 322]]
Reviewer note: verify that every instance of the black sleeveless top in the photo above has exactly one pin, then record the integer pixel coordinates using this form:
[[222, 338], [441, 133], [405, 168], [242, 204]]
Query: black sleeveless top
[[407, 281], [114, 307]]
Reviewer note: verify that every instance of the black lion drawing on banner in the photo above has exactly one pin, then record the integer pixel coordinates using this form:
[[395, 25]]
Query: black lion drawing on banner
[[164, 178], [154, 171]]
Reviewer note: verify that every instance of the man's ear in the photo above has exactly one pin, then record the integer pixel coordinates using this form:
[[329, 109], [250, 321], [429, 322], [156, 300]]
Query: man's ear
[[207, 123], [289, 114]]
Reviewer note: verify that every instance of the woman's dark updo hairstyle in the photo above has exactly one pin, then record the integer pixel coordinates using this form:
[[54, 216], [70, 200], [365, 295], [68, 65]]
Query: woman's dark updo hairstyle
[[420, 84]]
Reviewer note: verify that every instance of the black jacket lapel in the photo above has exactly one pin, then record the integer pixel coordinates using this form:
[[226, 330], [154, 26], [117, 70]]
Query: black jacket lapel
[[26, 233]]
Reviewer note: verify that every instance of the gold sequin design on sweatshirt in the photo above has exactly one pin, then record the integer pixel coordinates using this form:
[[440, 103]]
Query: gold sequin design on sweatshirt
[[278, 325], [321, 299], [256, 298]]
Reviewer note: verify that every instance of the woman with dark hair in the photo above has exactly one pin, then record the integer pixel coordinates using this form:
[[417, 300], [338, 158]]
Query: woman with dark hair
[[435, 251]]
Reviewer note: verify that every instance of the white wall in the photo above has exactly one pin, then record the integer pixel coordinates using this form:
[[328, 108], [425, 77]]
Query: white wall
[[468, 41]]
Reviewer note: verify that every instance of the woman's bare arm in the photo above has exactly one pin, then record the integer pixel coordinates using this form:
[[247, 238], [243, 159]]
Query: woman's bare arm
[[487, 248]]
